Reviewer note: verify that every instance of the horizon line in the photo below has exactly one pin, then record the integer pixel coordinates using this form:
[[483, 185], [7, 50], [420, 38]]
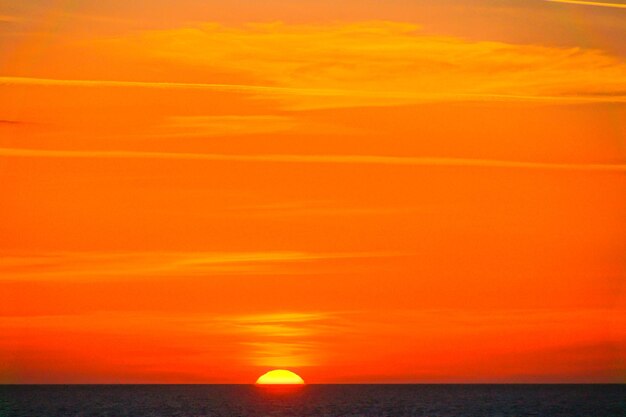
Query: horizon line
[[302, 385]]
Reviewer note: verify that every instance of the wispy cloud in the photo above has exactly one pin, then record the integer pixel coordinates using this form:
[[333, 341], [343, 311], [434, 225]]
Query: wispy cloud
[[576, 340], [590, 3], [283, 354], [351, 64], [231, 125], [315, 159], [227, 125], [145, 265], [305, 98], [286, 339], [142, 84], [9, 19], [279, 324]]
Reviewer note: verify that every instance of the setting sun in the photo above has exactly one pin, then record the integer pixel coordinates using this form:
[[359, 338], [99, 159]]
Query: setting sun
[[280, 377]]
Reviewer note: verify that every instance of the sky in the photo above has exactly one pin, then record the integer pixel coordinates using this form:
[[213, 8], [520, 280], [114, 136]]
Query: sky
[[357, 191]]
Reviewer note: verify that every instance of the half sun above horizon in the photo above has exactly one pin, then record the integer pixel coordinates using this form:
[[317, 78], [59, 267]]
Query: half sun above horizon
[[280, 377]]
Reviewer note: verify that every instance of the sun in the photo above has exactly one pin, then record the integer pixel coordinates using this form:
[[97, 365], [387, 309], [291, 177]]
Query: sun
[[280, 377]]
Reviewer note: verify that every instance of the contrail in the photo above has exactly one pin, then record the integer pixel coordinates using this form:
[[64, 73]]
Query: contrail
[[590, 3]]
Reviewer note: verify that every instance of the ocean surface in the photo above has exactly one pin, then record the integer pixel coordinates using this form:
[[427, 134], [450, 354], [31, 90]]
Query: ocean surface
[[312, 400]]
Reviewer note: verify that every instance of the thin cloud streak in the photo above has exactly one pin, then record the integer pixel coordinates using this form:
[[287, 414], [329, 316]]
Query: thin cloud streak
[[9, 19], [201, 126], [284, 338], [590, 3], [145, 84], [145, 265], [274, 91], [314, 159]]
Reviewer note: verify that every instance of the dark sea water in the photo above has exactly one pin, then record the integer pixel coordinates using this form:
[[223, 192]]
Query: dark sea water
[[312, 400]]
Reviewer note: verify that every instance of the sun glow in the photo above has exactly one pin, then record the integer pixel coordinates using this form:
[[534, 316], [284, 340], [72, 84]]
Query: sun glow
[[280, 377]]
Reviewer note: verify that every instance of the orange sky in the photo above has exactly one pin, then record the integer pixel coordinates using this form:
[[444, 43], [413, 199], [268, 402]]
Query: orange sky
[[400, 191]]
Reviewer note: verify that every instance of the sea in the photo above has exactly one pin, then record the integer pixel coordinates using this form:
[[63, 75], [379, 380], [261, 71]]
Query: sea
[[312, 400]]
